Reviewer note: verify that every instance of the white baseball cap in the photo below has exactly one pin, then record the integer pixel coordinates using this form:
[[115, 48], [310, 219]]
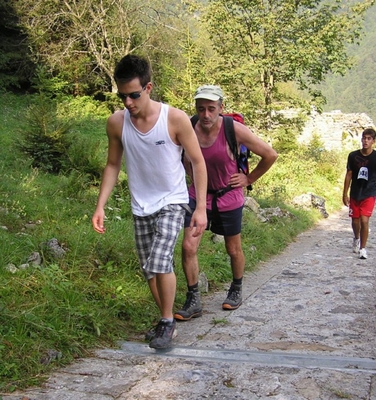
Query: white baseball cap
[[209, 92]]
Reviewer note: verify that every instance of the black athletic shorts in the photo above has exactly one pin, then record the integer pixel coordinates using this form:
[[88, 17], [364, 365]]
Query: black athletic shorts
[[227, 223]]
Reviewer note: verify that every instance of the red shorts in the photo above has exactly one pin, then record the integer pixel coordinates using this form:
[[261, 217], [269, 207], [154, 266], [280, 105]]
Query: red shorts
[[362, 207]]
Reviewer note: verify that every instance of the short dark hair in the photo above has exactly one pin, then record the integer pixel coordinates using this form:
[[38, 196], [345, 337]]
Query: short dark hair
[[370, 132], [131, 67]]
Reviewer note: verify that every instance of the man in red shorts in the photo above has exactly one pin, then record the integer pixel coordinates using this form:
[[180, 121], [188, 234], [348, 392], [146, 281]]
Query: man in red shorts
[[361, 174]]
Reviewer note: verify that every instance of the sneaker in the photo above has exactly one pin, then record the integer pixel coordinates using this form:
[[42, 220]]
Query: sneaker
[[356, 245], [234, 297], [191, 309], [164, 333], [362, 254], [150, 334]]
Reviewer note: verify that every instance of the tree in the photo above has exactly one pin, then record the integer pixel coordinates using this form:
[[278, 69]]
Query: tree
[[183, 78], [15, 64], [354, 92], [274, 41], [81, 40]]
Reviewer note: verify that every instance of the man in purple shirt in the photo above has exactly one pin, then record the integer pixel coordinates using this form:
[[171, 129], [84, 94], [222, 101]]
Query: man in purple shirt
[[225, 185]]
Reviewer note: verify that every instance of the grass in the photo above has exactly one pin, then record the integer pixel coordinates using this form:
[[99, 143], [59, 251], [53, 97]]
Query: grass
[[96, 294]]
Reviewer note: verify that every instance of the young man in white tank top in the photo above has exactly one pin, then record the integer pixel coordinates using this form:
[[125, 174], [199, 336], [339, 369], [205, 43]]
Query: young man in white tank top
[[151, 136]]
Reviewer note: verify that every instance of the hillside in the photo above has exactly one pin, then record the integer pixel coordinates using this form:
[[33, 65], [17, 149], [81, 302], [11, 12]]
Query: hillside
[[354, 93]]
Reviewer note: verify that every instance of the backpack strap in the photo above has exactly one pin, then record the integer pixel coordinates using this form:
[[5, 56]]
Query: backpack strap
[[217, 194], [230, 135], [231, 140], [194, 120]]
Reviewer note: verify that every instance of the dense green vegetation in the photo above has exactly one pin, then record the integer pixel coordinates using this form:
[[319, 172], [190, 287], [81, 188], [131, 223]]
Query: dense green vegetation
[[256, 50], [354, 92], [95, 294]]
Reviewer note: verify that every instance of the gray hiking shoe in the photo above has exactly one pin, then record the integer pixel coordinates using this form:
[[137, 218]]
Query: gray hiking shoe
[[191, 309], [164, 333], [234, 297], [150, 334]]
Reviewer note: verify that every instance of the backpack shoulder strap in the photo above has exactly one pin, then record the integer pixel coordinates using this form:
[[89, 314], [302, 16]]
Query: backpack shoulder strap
[[230, 135], [194, 120]]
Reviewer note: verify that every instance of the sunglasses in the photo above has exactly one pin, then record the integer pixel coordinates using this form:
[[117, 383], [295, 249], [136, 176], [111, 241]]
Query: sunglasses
[[133, 95]]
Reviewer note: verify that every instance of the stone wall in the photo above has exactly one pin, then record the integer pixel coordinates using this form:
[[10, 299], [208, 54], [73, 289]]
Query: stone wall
[[336, 129]]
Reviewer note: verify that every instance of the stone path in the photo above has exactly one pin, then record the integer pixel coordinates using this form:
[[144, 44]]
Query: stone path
[[306, 330]]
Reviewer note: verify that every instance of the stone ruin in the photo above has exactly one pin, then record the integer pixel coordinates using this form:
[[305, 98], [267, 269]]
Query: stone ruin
[[337, 130]]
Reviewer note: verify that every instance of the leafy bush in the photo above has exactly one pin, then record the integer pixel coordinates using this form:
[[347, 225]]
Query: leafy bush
[[301, 171], [44, 136], [54, 143], [85, 156], [81, 108]]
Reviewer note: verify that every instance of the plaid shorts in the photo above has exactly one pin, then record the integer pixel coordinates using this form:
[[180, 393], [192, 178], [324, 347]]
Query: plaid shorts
[[156, 237]]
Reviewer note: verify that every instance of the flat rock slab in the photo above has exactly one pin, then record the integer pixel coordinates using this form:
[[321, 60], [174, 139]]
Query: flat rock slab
[[306, 330]]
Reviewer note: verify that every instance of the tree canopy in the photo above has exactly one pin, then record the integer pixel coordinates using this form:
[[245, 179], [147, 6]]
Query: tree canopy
[[269, 41], [354, 92], [80, 41], [256, 49], [15, 66]]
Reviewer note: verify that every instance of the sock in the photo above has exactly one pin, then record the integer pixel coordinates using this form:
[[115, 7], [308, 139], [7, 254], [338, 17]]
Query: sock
[[237, 282], [193, 288], [168, 319]]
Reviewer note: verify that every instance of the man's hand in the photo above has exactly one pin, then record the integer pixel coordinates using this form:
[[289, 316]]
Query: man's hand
[[198, 222], [238, 180], [98, 221]]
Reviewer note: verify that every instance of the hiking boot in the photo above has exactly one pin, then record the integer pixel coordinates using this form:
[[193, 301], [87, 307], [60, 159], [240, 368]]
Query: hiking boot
[[191, 309], [234, 297], [356, 245], [150, 334], [362, 254], [164, 333]]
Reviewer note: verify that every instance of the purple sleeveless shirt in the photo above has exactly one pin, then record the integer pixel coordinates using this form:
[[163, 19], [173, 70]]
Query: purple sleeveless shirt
[[220, 167]]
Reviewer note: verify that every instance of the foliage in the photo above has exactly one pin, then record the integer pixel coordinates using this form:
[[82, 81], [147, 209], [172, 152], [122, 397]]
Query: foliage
[[16, 67], [256, 50], [83, 107], [266, 42], [44, 137], [89, 164], [305, 169], [285, 132], [353, 92], [45, 82], [53, 141], [79, 42], [96, 294]]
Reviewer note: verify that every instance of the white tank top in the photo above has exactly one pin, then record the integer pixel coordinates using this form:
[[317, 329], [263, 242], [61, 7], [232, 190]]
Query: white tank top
[[156, 175]]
